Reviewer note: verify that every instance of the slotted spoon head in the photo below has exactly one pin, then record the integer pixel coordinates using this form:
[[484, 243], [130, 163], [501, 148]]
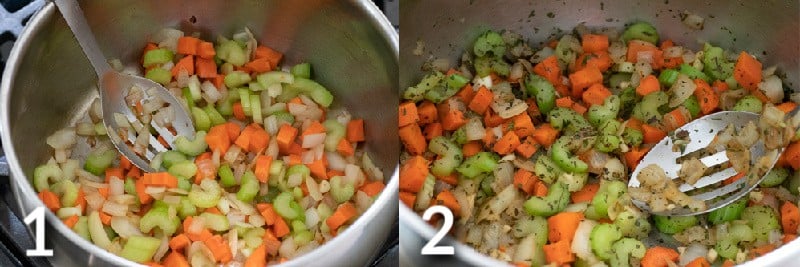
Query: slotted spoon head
[[114, 86], [701, 133]]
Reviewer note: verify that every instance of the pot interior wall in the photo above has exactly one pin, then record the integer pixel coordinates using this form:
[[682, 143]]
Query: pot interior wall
[[348, 54]]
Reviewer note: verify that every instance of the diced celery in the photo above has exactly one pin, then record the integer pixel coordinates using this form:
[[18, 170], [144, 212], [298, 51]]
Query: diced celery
[[171, 157], [303, 237], [285, 116], [82, 228], [230, 51], [692, 105], [249, 187], [157, 56], [130, 186], [244, 99], [482, 162], [186, 208], [641, 31], [334, 132], [207, 195], [569, 120], [214, 115], [68, 192], [140, 248], [255, 109], [284, 206], [546, 169], [542, 90], [728, 212], [316, 91], [607, 196], [692, 72], [268, 79], [632, 137], [607, 143], [183, 183], [99, 160], [340, 190], [598, 114], [561, 156], [100, 129], [216, 222], [728, 245], [159, 75], [416, 93], [183, 169], [187, 96], [624, 249], [489, 44], [236, 79], [194, 88], [96, 232], [159, 216], [226, 178], [201, 120], [762, 219], [194, 147], [302, 70], [674, 224], [602, 238], [750, 104], [43, 174], [775, 177], [556, 200], [450, 156], [632, 224]]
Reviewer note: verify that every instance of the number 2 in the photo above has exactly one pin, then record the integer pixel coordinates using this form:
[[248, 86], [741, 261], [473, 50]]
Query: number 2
[[38, 216], [431, 247]]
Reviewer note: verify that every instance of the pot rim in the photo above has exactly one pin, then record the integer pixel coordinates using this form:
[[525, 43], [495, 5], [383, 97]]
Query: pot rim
[[36, 23]]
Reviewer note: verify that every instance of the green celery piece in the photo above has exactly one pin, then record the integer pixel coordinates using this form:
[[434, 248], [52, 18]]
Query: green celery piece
[[302, 70], [762, 220], [668, 77], [214, 115], [341, 190], [482, 162], [624, 249], [159, 75], [157, 56], [632, 224], [171, 157], [226, 178], [561, 156], [207, 196], [556, 200], [450, 156], [236, 79], [303, 237], [216, 222], [99, 160], [775, 177], [283, 204], [632, 137], [598, 114], [569, 120], [674, 224], [728, 212], [456, 81], [728, 246], [186, 208], [287, 117], [267, 79], [546, 169], [607, 143], [602, 238], [542, 90], [183, 183], [255, 108], [230, 51], [692, 72], [43, 174], [416, 93], [194, 147], [187, 95], [641, 31], [692, 105], [82, 228], [249, 187], [628, 99], [68, 191], [609, 127], [316, 91], [334, 132], [183, 169], [749, 103], [490, 44], [159, 216], [715, 64], [607, 196], [140, 248]]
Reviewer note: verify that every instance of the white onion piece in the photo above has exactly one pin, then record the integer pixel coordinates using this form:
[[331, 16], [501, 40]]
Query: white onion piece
[[692, 252], [210, 92], [312, 218], [85, 129], [116, 186], [682, 89], [313, 189], [373, 171], [353, 175], [441, 64], [675, 51], [335, 161], [115, 209], [580, 244], [124, 227], [313, 140], [162, 249], [474, 129], [693, 21], [168, 38], [62, 139], [772, 88], [287, 248]]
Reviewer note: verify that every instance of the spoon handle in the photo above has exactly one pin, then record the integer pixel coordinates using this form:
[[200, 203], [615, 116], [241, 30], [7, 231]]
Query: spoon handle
[[73, 14]]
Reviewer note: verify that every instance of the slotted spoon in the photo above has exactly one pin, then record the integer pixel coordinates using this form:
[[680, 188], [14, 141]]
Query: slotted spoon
[[701, 133], [114, 86]]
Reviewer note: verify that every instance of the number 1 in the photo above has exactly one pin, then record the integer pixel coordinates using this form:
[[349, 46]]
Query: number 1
[[431, 247], [38, 216]]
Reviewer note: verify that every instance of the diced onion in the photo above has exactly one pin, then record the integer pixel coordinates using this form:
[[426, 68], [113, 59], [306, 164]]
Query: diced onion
[[115, 209], [682, 89], [772, 88], [335, 161], [116, 186], [62, 139], [693, 21], [474, 129], [124, 227], [692, 252], [312, 140]]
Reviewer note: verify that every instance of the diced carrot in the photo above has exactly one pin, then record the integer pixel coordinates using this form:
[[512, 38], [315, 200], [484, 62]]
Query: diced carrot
[[259, 138], [634, 155], [451, 179], [564, 102], [450, 117], [596, 94], [413, 174], [408, 198], [490, 119], [71, 221], [218, 80], [206, 169], [203, 235], [263, 163], [408, 113], [792, 155], [144, 198], [481, 101], [699, 262], [549, 69], [672, 62], [747, 71], [647, 85], [787, 107], [355, 131], [525, 181], [728, 263], [343, 213], [674, 119], [372, 188], [594, 43], [652, 134], [507, 144], [433, 130], [115, 172], [427, 113], [205, 68], [659, 257], [600, 60], [709, 100], [273, 56], [268, 212], [540, 189], [317, 169], [577, 107], [635, 124], [471, 148], [50, 200], [187, 45], [258, 258], [135, 173], [186, 64], [523, 125], [164, 179], [719, 86], [233, 130], [637, 46], [447, 199], [243, 141], [175, 259], [179, 242], [259, 65], [788, 238], [762, 250], [559, 253], [585, 194], [489, 138], [238, 111], [218, 139], [545, 135], [105, 218], [206, 50], [125, 163], [584, 78], [219, 248], [412, 139], [562, 226], [527, 148], [734, 178], [345, 148], [103, 192], [790, 217], [465, 94], [286, 136]]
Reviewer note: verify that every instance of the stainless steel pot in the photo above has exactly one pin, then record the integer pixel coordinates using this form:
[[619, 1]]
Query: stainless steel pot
[[769, 29], [353, 48]]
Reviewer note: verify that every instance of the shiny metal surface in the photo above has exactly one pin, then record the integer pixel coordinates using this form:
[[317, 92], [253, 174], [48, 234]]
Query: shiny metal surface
[[701, 133], [768, 29], [353, 48], [114, 86]]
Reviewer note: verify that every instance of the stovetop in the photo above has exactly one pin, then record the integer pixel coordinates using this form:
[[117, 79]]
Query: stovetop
[[14, 236]]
